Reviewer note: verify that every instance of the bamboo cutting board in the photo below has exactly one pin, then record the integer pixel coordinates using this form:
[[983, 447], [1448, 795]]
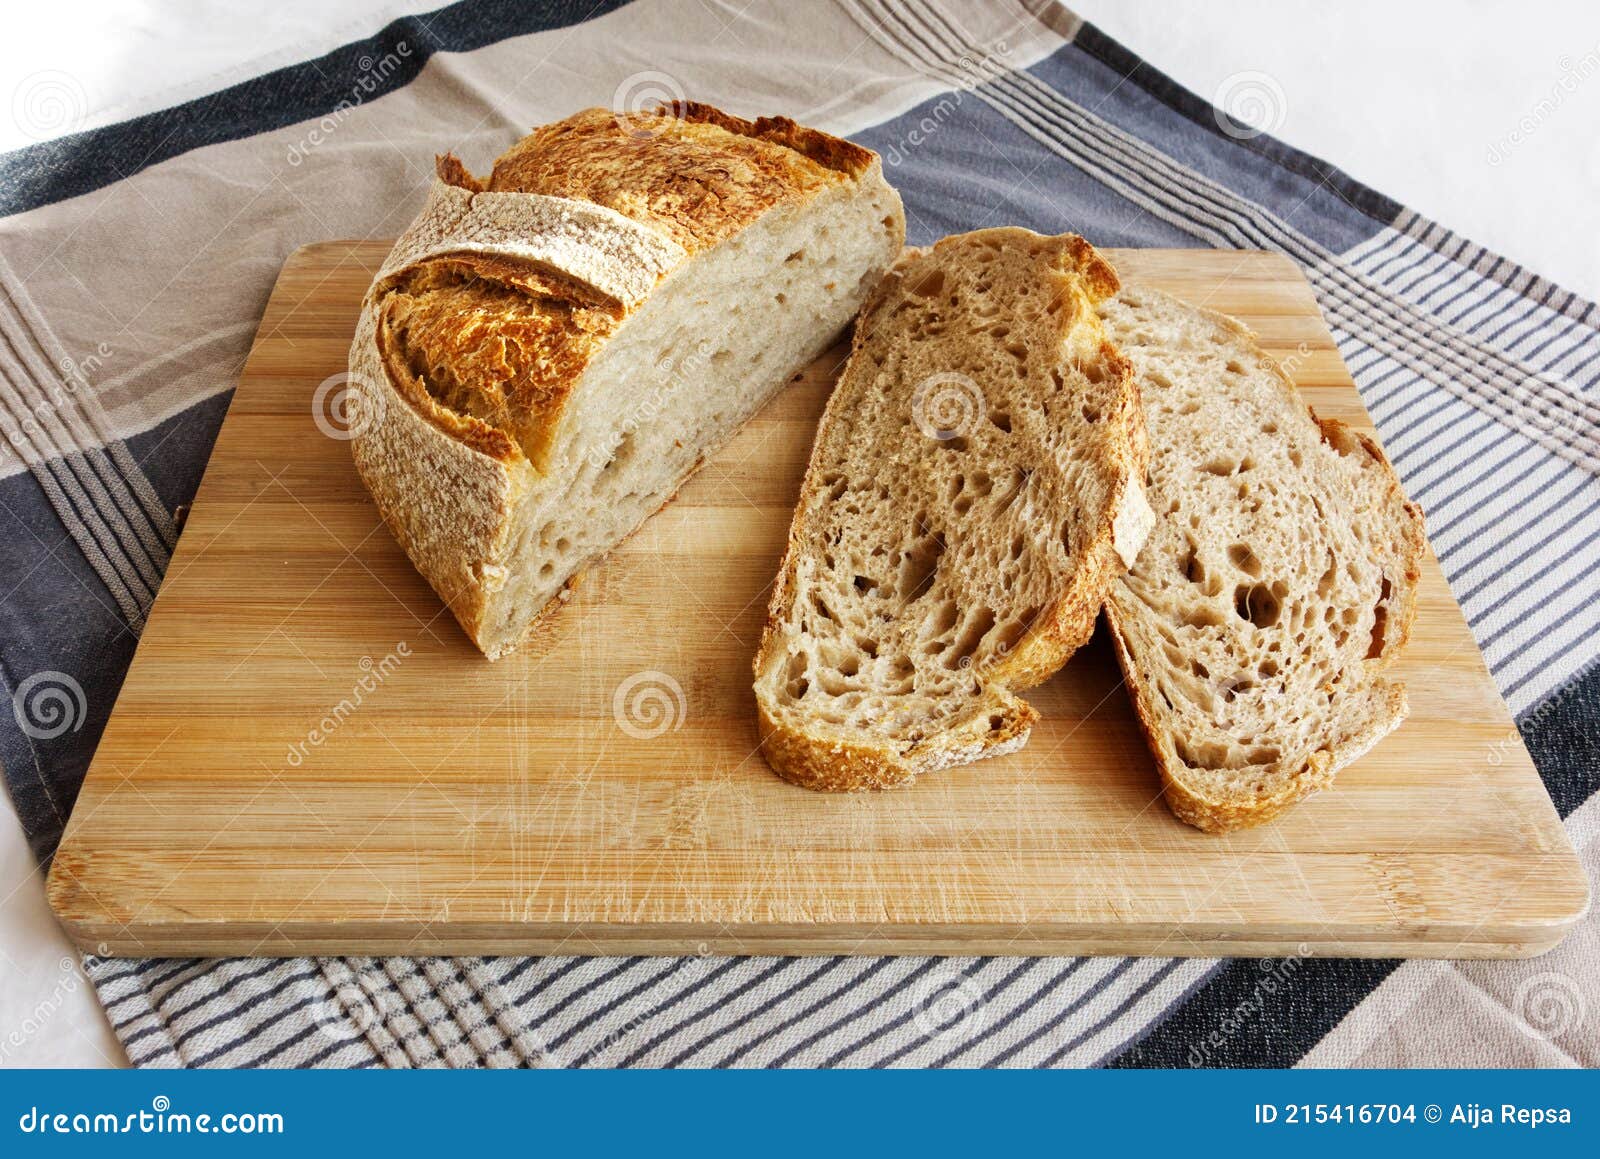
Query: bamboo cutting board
[[308, 756]]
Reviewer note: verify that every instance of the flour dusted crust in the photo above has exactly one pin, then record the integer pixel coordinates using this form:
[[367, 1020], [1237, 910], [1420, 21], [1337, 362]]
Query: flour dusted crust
[[494, 303], [613, 255]]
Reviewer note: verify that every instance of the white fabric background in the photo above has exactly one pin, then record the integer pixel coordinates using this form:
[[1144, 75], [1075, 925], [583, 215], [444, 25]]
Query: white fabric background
[[1363, 86], [1410, 99]]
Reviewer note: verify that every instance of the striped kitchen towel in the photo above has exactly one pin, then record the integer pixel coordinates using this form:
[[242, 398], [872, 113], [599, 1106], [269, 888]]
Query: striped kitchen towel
[[138, 256]]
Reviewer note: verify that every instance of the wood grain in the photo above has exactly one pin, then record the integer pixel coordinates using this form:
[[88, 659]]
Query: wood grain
[[309, 757]]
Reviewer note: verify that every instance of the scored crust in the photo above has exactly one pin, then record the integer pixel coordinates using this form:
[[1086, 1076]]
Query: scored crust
[[491, 306], [817, 755], [688, 170]]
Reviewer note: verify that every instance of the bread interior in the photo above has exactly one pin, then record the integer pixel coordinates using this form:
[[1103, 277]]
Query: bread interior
[[953, 498], [715, 341]]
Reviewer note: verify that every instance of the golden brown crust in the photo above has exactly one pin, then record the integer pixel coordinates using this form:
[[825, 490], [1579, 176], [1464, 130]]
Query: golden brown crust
[[1100, 279], [451, 171], [689, 170], [826, 150], [470, 431], [498, 341], [804, 759], [490, 309], [841, 764], [503, 340]]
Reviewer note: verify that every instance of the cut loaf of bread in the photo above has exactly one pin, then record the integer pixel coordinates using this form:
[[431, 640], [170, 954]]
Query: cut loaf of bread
[[549, 353], [1278, 584], [974, 490]]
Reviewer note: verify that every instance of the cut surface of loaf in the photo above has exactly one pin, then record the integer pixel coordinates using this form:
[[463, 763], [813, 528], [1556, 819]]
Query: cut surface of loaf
[[1279, 582], [974, 490], [550, 352]]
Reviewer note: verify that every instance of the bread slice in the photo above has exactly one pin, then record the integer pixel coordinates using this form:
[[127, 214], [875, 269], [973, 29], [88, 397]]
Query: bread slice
[[1278, 584], [550, 352], [974, 491]]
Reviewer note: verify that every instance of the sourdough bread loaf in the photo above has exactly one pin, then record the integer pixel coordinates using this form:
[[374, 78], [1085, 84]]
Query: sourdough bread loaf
[[974, 491], [1279, 583], [549, 352]]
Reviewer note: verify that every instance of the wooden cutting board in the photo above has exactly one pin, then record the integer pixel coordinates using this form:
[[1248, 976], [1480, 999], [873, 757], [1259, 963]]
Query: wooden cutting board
[[308, 757]]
